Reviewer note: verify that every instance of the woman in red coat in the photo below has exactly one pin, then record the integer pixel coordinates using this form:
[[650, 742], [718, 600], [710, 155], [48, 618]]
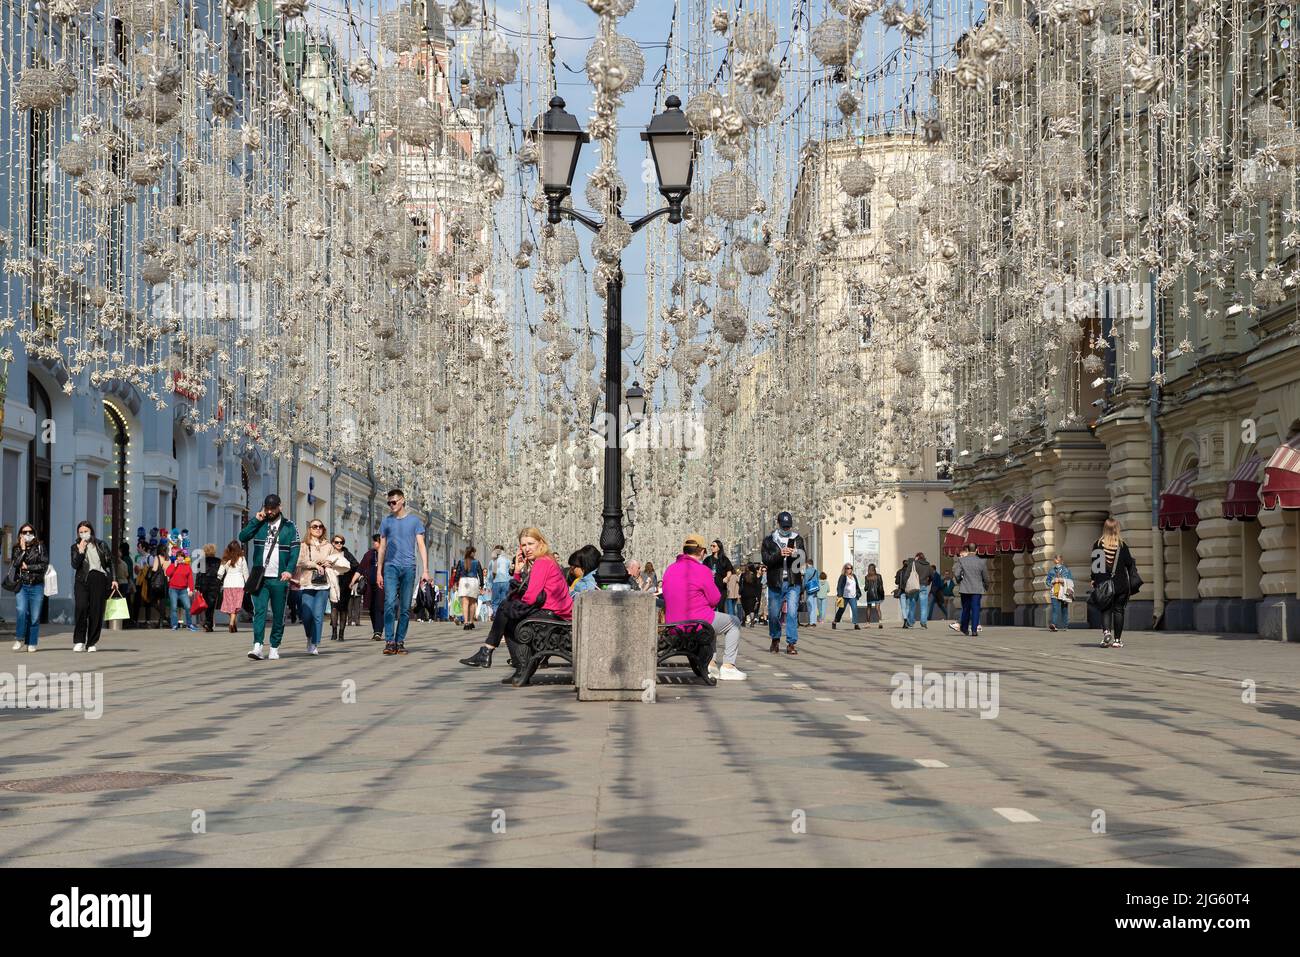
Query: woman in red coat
[[538, 585]]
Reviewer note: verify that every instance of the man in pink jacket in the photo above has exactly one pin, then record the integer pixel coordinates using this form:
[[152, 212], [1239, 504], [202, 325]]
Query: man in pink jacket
[[690, 594]]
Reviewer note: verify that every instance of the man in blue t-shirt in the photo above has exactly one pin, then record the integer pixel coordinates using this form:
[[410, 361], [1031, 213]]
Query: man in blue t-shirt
[[401, 539]]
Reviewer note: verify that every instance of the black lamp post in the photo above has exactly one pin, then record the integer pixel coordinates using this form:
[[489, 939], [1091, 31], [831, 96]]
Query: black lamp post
[[672, 146]]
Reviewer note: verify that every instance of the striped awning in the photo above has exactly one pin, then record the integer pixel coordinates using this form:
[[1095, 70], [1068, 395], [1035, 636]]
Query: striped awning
[[1016, 526], [955, 537], [1282, 476], [1241, 499], [1178, 504], [983, 531]]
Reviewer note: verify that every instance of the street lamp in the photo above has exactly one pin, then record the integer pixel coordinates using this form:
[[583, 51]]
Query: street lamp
[[672, 145]]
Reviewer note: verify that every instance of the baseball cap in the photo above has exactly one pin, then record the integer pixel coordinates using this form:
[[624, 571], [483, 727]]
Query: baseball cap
[[271, 501], [693, 541], [785, 520]]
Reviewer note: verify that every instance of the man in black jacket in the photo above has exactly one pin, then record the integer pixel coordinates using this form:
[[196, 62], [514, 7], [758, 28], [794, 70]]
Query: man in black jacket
[[784, 555]]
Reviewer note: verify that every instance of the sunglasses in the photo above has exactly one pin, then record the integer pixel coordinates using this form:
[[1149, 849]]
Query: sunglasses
[[338, 543], [394, 501], [315, 525]]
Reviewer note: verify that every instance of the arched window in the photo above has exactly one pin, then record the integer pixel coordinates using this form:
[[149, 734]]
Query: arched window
[[40, 453], [116, 481]]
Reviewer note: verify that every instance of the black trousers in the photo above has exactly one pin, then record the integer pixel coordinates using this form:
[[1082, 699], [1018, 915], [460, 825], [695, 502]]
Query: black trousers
[[377, 609], [1112, 619], [88, 598], [510, 614], [213, 598]]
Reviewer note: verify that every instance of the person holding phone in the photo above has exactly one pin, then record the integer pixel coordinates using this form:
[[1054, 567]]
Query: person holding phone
[[401, 541], [92, 566], [273, 547], [26, 578], [784, 554]]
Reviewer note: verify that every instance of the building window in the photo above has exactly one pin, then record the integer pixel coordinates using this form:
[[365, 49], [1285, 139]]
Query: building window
[[38, 178], [864, 214]]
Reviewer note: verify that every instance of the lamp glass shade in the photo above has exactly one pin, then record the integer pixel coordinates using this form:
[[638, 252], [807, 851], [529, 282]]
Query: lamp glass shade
[[674, 156], [559, 158]]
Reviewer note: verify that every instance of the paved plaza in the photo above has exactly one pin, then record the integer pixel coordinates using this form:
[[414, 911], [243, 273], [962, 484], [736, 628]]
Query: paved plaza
[[1146, 755]]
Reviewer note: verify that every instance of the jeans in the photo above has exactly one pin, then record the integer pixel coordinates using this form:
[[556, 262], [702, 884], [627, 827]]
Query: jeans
[[727, 628], [273, 592], [399, 584], [179, 596], [499, 591], [312, 603], [970, 613], [812, 609], [1060, 613], [29, 599], [788, 593], [919, 607], [852, 605]]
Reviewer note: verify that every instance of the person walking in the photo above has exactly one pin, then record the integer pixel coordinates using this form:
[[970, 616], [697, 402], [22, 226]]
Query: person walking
[[812, 586], [124, 579], [950, 601], [26, 579], [1060, 589], [153, 585], [180, 589], [233, 574], [539, 587], [273, 546], [341, 592], [916, 577], [971, 574], [401, 542], [92, 565], [823, 592], [1115, 579], [499, 575], [873, 593], [317, 558], [691, 594], [468, 579], [720, 565], [935, 597], [751, 592], [846, 595], [733, 593], [207, 582], [374, 596], [783, 555]]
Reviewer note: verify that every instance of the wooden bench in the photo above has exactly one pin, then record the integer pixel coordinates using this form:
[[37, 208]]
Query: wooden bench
[[543, 636]]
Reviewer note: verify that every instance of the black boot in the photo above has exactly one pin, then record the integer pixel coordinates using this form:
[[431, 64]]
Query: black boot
[[511, 679], [480, 659]]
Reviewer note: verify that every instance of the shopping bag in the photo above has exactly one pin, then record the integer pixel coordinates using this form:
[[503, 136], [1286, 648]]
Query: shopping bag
[[455, 607], [51, 582], [198, 603], [115, 609]]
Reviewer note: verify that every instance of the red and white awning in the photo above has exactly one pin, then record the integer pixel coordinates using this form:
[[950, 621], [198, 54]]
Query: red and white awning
[[983, 531], [1016, 526], [1241, 499], [1282, 476], [1178, 504], [955, 537]]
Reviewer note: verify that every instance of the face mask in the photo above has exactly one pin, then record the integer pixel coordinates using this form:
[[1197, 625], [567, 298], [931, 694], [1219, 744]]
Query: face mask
[[25, 536], [85, 536]]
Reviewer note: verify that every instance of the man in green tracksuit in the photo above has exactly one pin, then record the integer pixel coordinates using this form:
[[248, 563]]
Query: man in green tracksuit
[[274, 548]]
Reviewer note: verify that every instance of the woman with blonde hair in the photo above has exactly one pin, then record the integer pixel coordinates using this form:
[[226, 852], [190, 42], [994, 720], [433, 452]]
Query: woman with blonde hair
[[539, 585], [1114, 580], [316, 576]]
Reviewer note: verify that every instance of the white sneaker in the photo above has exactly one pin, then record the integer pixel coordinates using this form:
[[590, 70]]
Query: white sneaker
[[312, 650], [19, 645], [31, 649], [713, 669], [92, 648], [954, 626], [275, 654], [731, 673], [256, 653], [79, 646]]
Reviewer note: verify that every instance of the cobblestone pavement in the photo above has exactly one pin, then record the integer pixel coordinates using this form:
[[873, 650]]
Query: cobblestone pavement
[[1146, 755]]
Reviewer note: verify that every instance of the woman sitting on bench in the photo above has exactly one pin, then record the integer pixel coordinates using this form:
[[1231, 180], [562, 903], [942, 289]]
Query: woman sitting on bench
[[538, 586]]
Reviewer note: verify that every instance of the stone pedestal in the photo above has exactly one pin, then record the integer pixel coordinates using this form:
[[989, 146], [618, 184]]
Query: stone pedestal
[[614, 638], [1278, 618]]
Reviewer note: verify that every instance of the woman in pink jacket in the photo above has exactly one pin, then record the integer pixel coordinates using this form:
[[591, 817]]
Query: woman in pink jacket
[[539, 586], [691, 594]]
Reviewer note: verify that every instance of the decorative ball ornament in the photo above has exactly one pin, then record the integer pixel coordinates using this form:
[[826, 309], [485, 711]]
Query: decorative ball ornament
[[76, 158], [400, 30], [1266, 182], [1059, 98], [754, 35], [616, 54], [38, 89], [704, 112], [901, 185], [755, 260], [144, 16], [834, 41], [493, 61], [759, 108], [560, 247], [857, 177], [418, 125], [1062, 165], [732, 195]]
